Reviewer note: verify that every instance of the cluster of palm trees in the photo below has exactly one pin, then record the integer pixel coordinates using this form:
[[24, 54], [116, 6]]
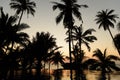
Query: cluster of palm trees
[[17, 51], [76, 37]]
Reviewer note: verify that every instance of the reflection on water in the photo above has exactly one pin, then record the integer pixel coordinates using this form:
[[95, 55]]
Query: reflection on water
[[65, 75], [85, 75]]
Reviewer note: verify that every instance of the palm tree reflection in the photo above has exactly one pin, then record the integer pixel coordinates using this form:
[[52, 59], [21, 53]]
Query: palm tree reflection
[[104, 76], [79, 75]]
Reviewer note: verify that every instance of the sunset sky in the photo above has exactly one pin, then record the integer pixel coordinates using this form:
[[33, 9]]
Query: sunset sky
[[44, 20]]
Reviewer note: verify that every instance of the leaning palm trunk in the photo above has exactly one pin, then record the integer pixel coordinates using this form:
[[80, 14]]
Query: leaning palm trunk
[[113, 40]]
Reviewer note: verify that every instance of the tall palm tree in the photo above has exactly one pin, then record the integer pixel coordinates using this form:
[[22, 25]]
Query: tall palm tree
[[81, 37], [67, 9], [22, 6], [106, 19], [105, 62]]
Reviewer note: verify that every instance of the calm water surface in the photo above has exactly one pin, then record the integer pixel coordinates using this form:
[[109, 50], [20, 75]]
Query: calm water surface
[[86, 75]]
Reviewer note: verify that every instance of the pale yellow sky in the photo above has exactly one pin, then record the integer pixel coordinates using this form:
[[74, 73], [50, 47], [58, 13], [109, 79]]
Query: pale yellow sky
[[44, 20]]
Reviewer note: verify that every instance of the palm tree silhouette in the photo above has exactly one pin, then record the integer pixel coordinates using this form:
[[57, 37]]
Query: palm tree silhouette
[[106, 63], [49, 57], [12, 38], [67, 10], [42, 44], [22, 6], [81, 36], [80, 60], [57, 58], [106, 19], [12, 32], [3, 20]]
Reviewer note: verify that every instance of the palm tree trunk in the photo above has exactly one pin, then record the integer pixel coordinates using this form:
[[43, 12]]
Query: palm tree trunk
[[113, 40], [70, 54], [70, 32], [70, 47], [20, 17], [72, 41]]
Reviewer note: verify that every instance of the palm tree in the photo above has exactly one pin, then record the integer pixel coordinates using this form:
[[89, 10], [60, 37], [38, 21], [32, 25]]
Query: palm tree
[[3, 19], [106, 19], [79, 55], [41, 45], [106, 63], [11, 32], [67, 9], [57, 58], [22, 6], [12, 38], [50, 57], [81, 36]]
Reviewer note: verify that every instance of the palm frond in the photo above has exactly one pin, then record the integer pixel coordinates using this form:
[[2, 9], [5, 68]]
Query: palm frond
[[110, 57], [90, 38], [98, 54], [58, 5], [104, 54], [86, 44], [54, 7], [81, 6], [23, 26], [89, 31], [114, 66], [90, 62], [77, 13], [110, 12], [59, 17], [95, 66]]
